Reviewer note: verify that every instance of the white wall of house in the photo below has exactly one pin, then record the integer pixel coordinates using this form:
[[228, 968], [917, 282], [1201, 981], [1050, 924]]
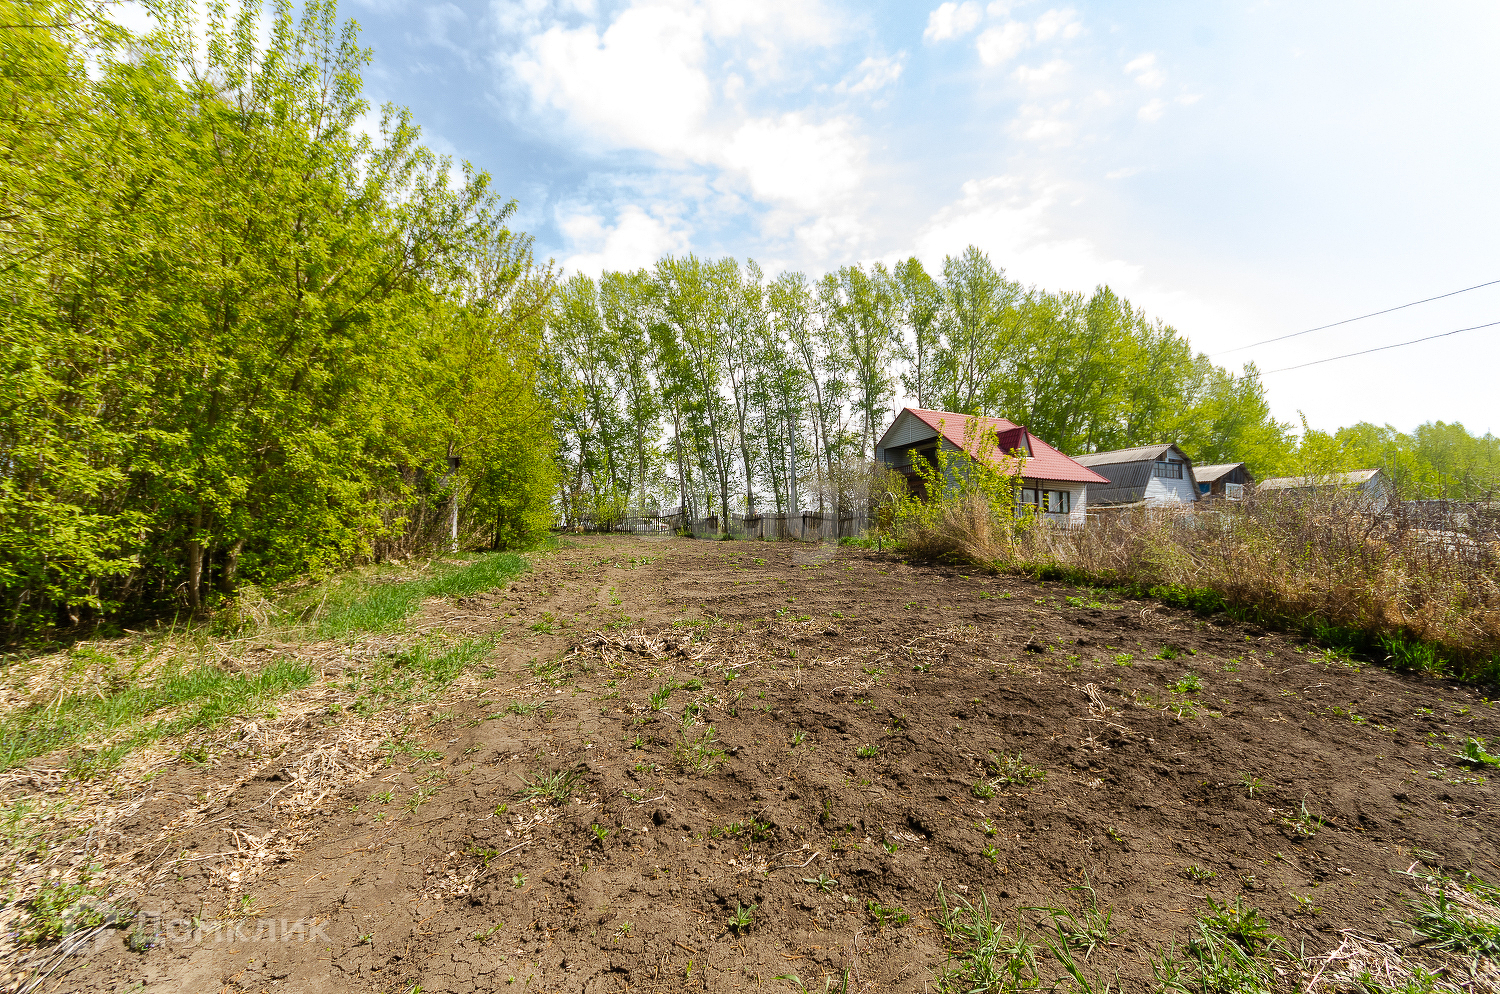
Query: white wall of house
[[1160, 490], [1077, 500], [908, 429], [1377, 491]]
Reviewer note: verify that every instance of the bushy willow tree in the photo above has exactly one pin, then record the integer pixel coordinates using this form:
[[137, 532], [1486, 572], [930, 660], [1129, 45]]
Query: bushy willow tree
[[240, 337]]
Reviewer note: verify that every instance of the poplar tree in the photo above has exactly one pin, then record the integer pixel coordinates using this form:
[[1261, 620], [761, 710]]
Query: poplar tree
[[980, 318], [625, 299], [919, 307]]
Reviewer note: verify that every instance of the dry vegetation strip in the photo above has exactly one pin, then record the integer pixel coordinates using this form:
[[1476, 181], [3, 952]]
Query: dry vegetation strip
[[1326, 566]]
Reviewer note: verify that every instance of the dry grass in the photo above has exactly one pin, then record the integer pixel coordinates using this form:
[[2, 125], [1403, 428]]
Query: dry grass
[[1325, 564], [86, 733], [1361, 965], [964, 529]]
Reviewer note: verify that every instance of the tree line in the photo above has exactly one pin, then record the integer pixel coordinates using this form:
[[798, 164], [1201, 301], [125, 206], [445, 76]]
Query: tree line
[[709, 385], [1435, 460], [241, 337]]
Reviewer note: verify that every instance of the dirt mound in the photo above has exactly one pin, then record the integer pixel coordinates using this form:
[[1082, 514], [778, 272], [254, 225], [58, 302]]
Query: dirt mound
[[709, 766]]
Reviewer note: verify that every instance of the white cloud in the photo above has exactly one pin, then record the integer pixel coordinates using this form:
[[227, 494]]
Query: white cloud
[[668, 76], [640, 84], [952, 20], [1043, 124], [1007, 218], [1152, 110], [1146, 71], [832, 236], [1001, 44], [1057, 24], [521, 17], [872, 74], [793, 160], [772, 21], [636, 239], [1035, 76]]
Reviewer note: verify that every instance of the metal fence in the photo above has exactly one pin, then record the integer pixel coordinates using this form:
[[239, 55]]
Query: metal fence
[[803, 526]]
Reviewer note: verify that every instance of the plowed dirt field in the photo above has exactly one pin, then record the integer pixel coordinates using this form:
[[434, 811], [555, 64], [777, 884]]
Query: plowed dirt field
[[672, 734]]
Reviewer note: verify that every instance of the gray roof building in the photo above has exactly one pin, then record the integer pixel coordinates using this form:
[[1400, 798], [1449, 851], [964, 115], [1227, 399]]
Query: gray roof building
[[1145, 474], [1225, 479], [1372, 484]]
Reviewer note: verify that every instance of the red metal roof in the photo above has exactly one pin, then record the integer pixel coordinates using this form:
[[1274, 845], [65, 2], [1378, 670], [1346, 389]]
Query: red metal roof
[[1044, 463]]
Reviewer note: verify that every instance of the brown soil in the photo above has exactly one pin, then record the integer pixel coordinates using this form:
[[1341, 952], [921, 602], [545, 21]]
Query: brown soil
[[942, 675]]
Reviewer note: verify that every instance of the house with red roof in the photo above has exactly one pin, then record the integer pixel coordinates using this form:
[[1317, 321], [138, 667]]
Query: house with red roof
[[1051, 482]]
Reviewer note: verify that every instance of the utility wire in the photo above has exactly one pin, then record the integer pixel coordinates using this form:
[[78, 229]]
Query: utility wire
[[1319, 362], [1335, 324]]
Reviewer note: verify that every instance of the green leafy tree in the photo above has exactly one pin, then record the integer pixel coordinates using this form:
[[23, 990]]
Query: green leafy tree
[[980, 317], [919, 309], [864, 311], [229, 313]]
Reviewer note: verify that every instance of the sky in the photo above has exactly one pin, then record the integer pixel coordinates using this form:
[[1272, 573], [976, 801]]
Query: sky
[[1240, 170]]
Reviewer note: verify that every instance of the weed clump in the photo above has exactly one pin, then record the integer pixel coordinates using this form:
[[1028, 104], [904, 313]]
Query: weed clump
[[1461, 916], [555, 787]]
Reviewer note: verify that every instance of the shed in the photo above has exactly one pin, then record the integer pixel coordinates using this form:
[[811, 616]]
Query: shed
[[1225, 479], [1050, 481], [1154, 475], [1371, 483]]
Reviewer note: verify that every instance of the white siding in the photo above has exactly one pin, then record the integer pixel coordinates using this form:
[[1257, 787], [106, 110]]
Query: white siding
[[1162, 491], [908, 429], [1375, 491], [1077, 502]]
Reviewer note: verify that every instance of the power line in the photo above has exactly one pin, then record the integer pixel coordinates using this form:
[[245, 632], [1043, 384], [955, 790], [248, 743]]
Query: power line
[[1319, 362], [1322, 327]]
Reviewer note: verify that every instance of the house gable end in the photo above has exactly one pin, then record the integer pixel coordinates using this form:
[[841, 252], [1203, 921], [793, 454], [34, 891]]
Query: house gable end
[[907, 429]]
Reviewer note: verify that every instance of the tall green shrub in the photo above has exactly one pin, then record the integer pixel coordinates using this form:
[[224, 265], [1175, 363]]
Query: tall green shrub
[[241, 336]]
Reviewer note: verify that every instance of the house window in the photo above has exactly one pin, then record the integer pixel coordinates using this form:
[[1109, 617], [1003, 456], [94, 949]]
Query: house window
[[1028, 495], [1203, 488], [1057, 501], [1168, 470]]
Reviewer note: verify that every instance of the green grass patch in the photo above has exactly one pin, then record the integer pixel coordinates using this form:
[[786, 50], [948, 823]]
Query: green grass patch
[[1462, 916], [385, 602], [200, 697]]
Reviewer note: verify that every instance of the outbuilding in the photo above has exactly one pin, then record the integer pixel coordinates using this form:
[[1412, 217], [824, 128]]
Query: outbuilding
[[1370, 484], [1225, 479], [1153, 475], [1054, 484]]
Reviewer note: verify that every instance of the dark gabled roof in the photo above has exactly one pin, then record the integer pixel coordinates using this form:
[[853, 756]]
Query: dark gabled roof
[[1127, 483], [1208, 474], [1141, 453], [1128, 471], [1043, 463]]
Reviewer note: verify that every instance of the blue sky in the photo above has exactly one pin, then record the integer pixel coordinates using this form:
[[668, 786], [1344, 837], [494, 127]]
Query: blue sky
[[1239, 169]]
